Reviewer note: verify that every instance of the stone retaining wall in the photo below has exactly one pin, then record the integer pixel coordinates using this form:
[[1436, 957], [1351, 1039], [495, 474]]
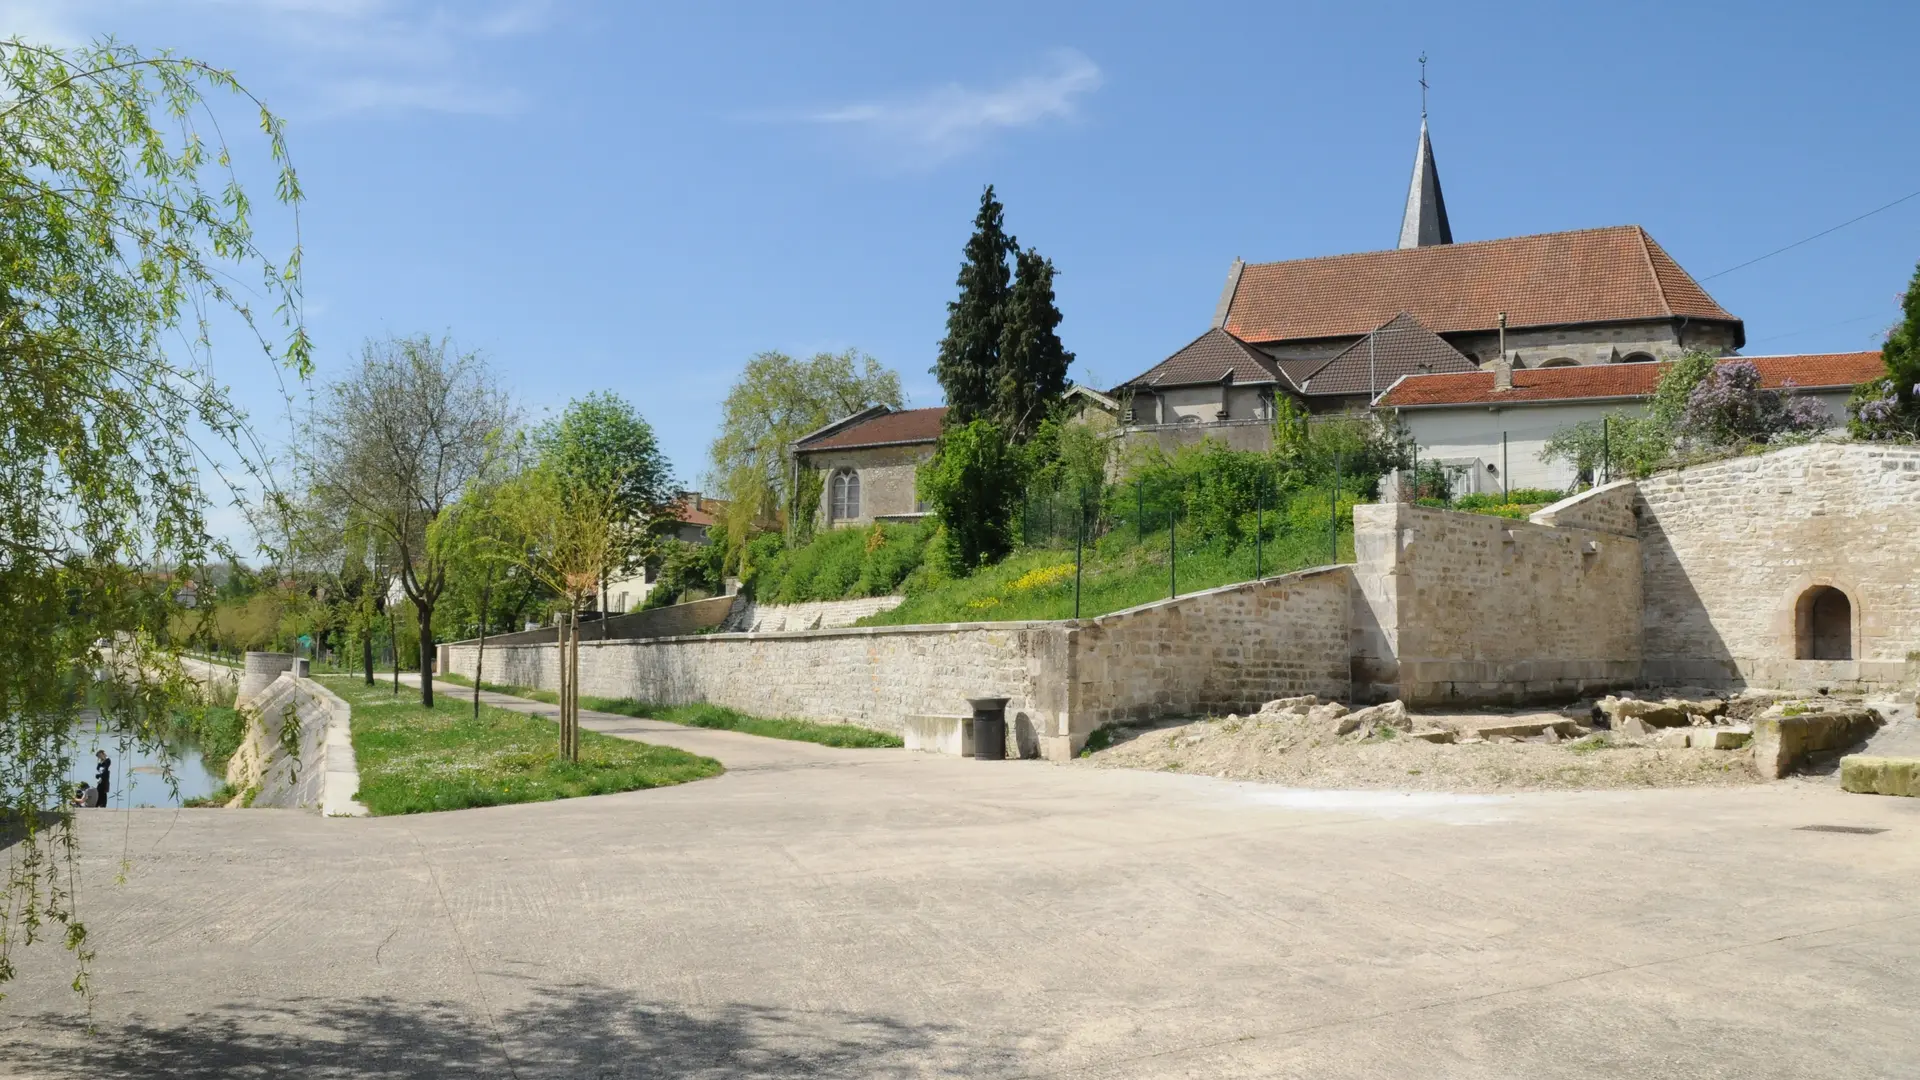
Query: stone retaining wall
[[1227, 648], [316, 768], [1729, 548], [752, 617], [1468, 608]]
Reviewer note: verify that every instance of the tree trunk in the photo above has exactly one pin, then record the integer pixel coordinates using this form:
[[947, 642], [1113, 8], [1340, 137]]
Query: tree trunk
[[366, 651], [393, 646], [560, 663], [573, 692], [426, 655], [480, 658], [603, 607]]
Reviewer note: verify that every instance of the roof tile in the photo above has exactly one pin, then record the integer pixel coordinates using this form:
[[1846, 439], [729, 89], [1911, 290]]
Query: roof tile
[[887, 429], [1209, 358], [1589, 275], [1807, 372], [1401, 347]]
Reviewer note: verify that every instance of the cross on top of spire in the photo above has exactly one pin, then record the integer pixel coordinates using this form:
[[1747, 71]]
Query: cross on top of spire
[[1423, 86]]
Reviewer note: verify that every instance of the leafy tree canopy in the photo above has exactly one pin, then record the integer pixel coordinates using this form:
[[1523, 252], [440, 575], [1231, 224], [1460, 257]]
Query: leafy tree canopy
[[122, 231], [1889, 407], [776, 400], [1002, 359]]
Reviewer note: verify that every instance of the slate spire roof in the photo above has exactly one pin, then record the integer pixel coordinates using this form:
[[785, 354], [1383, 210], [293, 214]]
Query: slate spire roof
[[1424, 224]]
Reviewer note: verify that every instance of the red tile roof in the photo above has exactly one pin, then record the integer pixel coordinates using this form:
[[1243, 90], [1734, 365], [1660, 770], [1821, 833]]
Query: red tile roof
[[895, 428], [1586, 276], [705, 514], [1809, 372]]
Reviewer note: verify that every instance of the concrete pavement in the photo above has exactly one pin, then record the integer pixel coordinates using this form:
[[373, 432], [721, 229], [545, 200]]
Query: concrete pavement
[[816, 912]]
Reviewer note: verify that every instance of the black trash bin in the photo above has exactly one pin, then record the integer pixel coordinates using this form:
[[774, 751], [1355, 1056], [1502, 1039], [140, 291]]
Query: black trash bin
[[989, 728]]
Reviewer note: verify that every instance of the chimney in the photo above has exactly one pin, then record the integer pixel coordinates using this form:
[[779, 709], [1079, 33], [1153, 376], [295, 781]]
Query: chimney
[[1502, 375]]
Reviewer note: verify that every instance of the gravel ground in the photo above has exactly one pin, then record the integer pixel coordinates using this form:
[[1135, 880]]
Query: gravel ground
[[1302, 752]]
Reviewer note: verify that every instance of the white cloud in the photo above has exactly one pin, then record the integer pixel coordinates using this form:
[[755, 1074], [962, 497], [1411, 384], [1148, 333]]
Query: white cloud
[[954, 119]]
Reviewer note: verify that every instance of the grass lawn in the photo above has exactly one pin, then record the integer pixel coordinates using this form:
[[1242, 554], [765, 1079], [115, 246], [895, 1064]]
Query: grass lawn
[[414, 760], [708, 716], [1122, 570]]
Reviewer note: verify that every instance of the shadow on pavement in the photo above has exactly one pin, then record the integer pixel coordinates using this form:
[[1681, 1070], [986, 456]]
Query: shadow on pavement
[[566, 1031]]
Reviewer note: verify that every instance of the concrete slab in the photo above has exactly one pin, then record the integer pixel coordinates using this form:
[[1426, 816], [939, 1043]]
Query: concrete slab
[[825, 913]]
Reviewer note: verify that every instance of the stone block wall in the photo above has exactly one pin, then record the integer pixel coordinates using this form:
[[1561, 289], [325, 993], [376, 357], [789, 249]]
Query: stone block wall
[[888, 479], [1460, 608], [753, 617], [1729, 548], [1222, 650], [869, 676], [670, 621], [1219, 650], [1609, 508]]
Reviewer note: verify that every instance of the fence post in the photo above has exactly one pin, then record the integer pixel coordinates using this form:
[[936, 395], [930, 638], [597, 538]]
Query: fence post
[[1259, 519], [1139, 511], [1333, 511], [1173, 509], [1079, 549], [1505, 484]]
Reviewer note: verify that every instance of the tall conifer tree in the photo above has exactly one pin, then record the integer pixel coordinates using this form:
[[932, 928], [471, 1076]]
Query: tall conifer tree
[[969, 362], [1033, 363]]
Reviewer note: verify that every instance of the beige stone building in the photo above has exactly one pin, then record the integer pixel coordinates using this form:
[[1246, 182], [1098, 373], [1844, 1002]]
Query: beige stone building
[[870, 464]]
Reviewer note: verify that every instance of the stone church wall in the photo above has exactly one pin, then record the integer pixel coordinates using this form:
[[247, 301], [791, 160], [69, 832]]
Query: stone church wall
[[1730, 547]]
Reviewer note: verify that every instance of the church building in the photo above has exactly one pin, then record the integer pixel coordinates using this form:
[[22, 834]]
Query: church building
[[1335, 332]]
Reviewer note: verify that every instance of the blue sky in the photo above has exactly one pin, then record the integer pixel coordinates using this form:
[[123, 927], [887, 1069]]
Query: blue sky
[[639, 197]]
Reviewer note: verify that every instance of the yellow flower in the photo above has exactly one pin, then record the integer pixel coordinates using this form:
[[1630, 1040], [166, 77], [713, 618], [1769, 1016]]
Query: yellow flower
[[1043, 578]]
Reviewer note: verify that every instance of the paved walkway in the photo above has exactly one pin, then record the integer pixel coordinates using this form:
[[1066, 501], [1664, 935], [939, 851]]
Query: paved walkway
[[730, 748], [823, 913]]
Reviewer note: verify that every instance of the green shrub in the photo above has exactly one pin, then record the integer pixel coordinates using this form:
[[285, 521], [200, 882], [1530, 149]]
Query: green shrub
[[973, 483], [687, 572], [838, 564], [1540, 496]]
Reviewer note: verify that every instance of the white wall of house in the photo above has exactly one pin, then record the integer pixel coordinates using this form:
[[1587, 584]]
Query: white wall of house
[[1463, 434]]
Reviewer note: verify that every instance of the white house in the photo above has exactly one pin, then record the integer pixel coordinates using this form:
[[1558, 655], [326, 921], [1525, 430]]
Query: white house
[[1490, 435]]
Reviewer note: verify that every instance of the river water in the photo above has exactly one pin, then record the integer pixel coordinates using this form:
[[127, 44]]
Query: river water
[[138, 776]]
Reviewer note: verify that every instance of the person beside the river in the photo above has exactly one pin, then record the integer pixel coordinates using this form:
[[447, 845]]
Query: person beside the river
[[103, 774]]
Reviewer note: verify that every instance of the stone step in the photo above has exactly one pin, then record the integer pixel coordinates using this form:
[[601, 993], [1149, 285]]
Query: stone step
[[1868, 775]]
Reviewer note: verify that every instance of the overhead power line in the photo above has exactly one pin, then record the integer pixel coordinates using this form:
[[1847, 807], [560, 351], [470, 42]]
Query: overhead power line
[[1815, 236]]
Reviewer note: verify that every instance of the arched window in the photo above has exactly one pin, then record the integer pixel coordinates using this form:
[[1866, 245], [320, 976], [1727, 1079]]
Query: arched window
[[1823, 625], [1636, 358], [845, 496], [1561, 361]]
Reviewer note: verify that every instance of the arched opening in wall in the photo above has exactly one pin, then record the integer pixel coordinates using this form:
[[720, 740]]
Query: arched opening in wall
[[1561, 361], [1636, 358], [1823, 625]]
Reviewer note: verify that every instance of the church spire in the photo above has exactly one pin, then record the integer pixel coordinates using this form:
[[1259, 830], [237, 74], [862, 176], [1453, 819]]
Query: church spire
[[1425, 221]]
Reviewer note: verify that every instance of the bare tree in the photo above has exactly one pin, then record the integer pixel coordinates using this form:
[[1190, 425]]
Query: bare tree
[[396, 444]]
